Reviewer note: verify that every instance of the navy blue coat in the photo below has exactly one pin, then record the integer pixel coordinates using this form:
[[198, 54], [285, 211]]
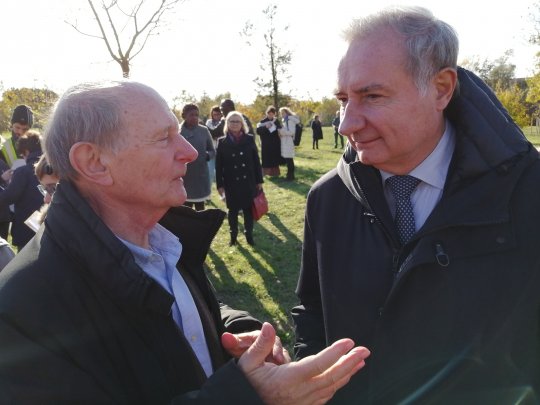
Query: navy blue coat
[[238, 170], [454, 315]]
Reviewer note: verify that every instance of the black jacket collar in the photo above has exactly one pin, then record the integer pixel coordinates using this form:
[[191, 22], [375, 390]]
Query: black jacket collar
[[83, 236]]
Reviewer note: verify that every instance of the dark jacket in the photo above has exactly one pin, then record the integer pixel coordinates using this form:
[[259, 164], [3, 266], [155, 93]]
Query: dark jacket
[[316, 127], [270, 144], [23, 193], [80, 322], [238, 170], [453, 316]]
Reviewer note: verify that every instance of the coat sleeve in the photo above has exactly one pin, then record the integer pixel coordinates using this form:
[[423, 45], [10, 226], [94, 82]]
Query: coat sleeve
[[226, 386], [29, 373], [219, 165], [13, 192], [308, 316], [257, 165], [210, 147], [235, 321]]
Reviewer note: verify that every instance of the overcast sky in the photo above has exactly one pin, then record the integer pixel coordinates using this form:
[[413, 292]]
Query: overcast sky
[[201, 50]]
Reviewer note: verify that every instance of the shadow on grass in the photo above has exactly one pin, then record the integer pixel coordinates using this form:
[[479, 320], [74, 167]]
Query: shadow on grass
[[276, 259], [237, 295]]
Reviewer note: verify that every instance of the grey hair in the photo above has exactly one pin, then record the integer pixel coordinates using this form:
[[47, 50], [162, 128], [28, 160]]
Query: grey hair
[[88, 112], [287, 110], [239, 115], [431, 44]]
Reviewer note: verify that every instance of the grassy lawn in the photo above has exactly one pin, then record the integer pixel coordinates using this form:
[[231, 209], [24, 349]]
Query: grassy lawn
[[262, 279]]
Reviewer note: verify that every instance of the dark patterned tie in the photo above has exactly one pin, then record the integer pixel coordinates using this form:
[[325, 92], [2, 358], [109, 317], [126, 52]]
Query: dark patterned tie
[[402, 188]]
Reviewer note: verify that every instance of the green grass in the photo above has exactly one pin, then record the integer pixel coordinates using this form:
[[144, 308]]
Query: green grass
[[262, 279]]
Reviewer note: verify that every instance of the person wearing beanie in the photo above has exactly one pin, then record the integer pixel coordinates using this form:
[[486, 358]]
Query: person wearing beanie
[[22, 120], [22, 191]]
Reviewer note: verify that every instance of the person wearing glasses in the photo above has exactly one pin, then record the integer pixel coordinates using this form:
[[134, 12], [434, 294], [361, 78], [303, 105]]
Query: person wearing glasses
[[238, 173], [22, 190], [47, 186]]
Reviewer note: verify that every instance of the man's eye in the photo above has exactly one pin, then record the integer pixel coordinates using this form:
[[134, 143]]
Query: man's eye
[[342, 101]]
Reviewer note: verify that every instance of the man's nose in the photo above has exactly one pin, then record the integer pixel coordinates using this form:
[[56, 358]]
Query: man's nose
[[352, 120], [185, 151]]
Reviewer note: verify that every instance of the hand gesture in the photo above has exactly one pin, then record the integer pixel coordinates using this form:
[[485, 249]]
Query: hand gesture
[[237, 344], [312, 380]]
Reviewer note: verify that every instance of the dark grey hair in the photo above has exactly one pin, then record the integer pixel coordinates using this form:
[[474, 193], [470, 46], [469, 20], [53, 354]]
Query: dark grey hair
[[88, 112], [431, 44]]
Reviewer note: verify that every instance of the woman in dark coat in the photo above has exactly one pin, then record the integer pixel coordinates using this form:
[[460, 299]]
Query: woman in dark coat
[[268, 129], [238, 173], [22, 190], [316, 127]]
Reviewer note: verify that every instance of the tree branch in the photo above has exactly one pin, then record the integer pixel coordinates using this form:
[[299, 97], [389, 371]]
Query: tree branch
[[104, 36]]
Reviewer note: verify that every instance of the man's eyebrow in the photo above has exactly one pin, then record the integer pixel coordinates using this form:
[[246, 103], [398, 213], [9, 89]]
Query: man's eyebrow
[[362, 90]]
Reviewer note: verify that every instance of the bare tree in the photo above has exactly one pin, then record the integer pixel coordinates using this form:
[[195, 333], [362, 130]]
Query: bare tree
[[275, 59], [140, 23]]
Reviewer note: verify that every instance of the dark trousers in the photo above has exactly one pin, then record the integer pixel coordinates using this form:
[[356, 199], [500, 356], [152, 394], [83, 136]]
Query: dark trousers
[[232, 217], [199, 206], [290, 168], [336, 136], [315, 144]]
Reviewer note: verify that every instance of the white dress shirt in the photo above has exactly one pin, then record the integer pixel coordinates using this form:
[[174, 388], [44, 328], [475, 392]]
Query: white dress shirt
[[160, 264], [432, 173]]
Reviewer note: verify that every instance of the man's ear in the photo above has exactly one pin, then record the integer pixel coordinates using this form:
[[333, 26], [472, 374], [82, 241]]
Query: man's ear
[[445, 84], [90, 162]]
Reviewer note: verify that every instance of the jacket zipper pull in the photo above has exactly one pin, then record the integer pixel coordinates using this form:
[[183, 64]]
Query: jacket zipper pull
[[441, 256]]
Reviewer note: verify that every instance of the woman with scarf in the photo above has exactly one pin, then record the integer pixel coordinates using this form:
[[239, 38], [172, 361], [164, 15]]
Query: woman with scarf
[[238, 173]]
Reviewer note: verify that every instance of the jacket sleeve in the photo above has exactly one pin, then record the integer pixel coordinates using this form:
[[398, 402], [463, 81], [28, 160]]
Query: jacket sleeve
[[219, 165], [236, 321], [13, 192], [210, 147], [308, 316], [262, 130], [257, 165], [228, 385], [29, 373]]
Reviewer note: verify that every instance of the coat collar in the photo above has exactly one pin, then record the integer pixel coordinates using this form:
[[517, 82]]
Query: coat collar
[[491, 153], [85, 238]]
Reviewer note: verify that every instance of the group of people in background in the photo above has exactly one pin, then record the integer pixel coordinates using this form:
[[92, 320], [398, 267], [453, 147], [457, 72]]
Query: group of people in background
[[22, 195], [228, 154]]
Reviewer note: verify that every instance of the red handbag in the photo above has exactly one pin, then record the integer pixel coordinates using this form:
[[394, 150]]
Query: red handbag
[[259, 206]]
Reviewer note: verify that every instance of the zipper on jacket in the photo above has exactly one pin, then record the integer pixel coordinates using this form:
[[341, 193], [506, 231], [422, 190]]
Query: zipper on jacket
[[441, 256]]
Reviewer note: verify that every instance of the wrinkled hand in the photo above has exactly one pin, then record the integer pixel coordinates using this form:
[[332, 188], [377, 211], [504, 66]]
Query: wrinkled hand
[[312, 380], [237, 344]]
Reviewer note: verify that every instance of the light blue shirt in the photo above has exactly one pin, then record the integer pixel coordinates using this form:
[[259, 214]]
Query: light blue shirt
[[432, 173], [160, 263]]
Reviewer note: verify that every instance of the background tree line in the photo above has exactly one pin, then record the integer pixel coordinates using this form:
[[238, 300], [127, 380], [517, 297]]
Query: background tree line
[[520, 96]]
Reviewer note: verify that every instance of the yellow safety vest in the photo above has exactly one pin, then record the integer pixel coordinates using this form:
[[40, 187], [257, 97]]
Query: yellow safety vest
[[8, 151]]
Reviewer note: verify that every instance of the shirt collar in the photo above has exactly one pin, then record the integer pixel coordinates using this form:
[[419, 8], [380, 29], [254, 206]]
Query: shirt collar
[[162, 242], [434, 168]]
